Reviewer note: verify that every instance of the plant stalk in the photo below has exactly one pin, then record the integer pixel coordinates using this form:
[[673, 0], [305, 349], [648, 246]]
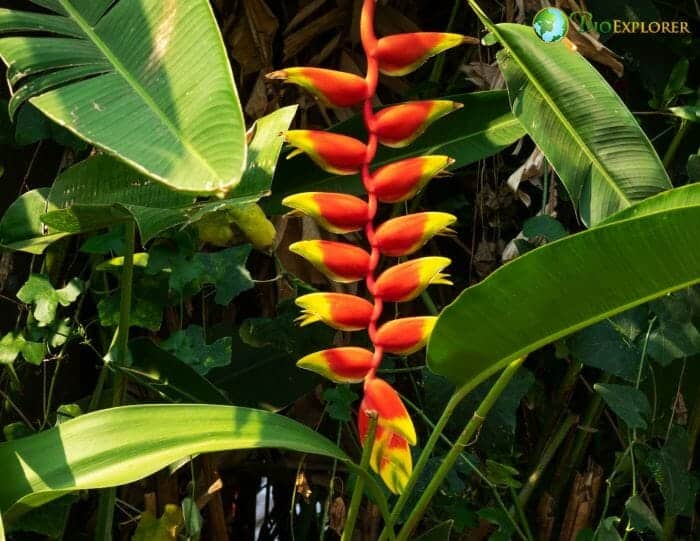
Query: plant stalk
[[427, 451], [105, 513], [464, 439], [360, 482], [546, 457]]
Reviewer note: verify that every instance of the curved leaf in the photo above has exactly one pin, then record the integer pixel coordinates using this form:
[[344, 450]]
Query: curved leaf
[[584, 129], [563, 287], [482, 128], [21, 227], [148, 81], [121, 445]]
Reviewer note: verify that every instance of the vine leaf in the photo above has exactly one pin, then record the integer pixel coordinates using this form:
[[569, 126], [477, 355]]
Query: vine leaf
[[39, 292]]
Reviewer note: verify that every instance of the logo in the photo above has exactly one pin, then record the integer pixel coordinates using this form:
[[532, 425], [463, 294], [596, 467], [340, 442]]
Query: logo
[[585, 22], [551, 25]]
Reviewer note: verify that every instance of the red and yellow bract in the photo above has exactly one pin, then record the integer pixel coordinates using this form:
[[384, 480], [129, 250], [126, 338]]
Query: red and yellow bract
[[393, 126]]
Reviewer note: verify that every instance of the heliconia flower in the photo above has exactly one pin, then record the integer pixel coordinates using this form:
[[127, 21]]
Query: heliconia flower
[[338, 310], [391, 455], [400, 54], [406, 335], [380, 397], [341, 365], [339, 261], [399, 125], [405, 281], [406, 234], [400, 181], [332, 152], [336, 88], [336, 212]]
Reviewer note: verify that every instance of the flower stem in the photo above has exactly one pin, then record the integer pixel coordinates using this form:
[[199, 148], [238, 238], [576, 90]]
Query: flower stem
[[360, 482], [464, 438]]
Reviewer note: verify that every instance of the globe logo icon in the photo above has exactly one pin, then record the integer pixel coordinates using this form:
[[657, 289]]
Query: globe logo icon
[[551, 24]]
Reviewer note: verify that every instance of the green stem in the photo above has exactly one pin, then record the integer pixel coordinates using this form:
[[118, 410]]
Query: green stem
[[452, 404], [669, 522], [521, 515], [675, 143], [359, 481], [105, 512], [464, 439], [472, 466], [546, 458], [571, 461]]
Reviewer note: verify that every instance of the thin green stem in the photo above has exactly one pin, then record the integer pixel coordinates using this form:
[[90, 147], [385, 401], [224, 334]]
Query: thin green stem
[[546, 458], [427, 451], [472, 466], [359, 481], [521, 515], [105, 513], [464, 439], [675, 143]]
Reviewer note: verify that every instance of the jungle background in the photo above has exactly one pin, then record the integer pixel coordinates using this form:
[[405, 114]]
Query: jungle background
[[506, 205]]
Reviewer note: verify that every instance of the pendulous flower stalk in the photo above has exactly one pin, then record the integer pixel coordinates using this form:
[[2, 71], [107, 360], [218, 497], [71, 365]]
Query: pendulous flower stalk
[[394, 126]]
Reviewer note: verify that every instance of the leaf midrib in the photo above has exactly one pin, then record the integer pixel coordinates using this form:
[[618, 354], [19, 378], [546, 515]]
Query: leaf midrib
[[138, 88], [562, 118]]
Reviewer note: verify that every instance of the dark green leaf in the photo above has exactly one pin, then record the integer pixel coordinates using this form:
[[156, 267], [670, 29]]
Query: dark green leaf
[[607, 530], [441, 532], [49, 520], [675, 335], [169, 376], [544, 226], [339, 400], [669, 467], [190, 346], [603, 346], [641, 517], [628, 403]]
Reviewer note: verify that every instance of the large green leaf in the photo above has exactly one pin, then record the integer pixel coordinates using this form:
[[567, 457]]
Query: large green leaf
[[121, 445], [565, 286], [21, 227], [147, 80], [482, 128], [584, 129]]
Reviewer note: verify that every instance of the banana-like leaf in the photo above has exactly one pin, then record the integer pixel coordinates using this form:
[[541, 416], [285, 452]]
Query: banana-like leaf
[[21, 227], [567, 285], [121, 445], [147, 80], [592, 140], [482, 128], [2, 530]]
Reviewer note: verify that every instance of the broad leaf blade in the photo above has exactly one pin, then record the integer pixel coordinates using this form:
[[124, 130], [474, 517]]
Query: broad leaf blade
[[155, 87], [21, 227], [563, 287], [482, 128], [121, 445], [584, 129]]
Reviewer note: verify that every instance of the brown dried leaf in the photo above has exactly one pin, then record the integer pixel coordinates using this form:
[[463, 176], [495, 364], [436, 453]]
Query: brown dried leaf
[[337, 515], [295, 42], [252, 36]]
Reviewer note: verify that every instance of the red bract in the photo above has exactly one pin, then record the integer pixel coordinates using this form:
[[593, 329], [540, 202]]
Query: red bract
[[406, 234], [335, 212], [337, 154], [339, 261], [399, 125], [400, 181], [333, 87], [342, 365], [403, 53], [394, 126]]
